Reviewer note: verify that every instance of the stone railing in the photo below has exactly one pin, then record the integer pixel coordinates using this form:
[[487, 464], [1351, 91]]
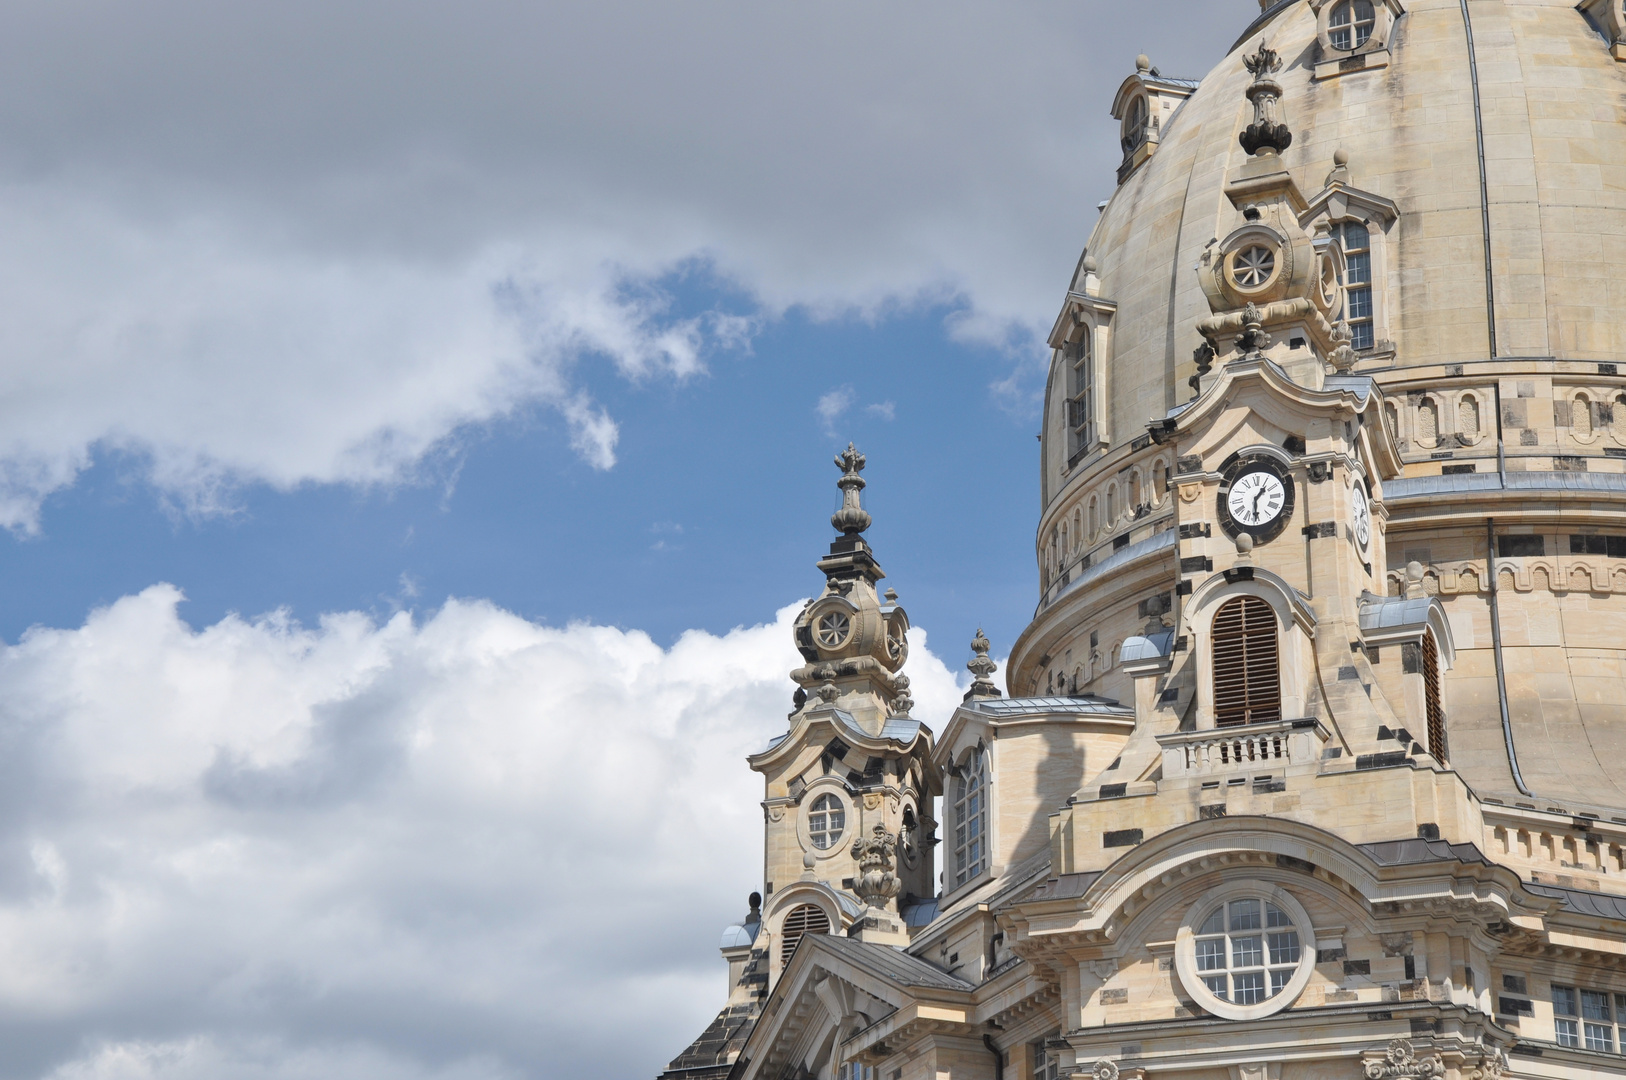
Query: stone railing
[[1243, 749]]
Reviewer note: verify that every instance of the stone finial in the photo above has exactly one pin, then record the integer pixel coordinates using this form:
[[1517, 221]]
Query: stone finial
[[1267, 134], [876, 881], [1340, 168], [1143, 63], [1253, 340], [1244, 547], [982, 669], [903, 702], [755, 915], [1414, 580], [1203, 357], [1342, 357], [851, 519]]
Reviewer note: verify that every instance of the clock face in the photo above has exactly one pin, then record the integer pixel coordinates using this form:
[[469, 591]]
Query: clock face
[[1362, 515], [1256, 499]]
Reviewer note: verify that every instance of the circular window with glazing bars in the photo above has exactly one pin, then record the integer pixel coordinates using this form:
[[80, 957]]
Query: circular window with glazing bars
[[1245, 950], [1352, 24]]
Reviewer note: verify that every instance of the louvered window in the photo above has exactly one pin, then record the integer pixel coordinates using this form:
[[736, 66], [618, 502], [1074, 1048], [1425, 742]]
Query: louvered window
[[807, 919], [1247, 680], [1437, 744]]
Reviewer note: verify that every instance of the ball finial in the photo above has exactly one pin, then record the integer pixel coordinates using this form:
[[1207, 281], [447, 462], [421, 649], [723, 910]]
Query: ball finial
[[1143, 63], [1340, 157], [1244, 543]]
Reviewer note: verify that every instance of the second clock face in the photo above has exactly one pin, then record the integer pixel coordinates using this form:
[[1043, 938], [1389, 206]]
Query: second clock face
[[1363, 517], [1256, 499]]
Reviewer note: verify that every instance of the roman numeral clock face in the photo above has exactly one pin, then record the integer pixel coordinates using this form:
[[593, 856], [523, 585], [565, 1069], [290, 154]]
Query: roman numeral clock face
[[1258, 501]]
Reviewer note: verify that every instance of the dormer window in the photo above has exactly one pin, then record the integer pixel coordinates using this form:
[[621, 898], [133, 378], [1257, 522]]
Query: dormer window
[[1135, 125], [1356, 241], [971, 819], [1081, 394], [1351, 24]]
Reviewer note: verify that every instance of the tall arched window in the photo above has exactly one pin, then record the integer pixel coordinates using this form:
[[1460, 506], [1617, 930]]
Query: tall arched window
[[1247, 678], [1135, 122], [1357, 244], [1352, 23], [804, 920], [971, 819], [1081, 394], [1431, 698]]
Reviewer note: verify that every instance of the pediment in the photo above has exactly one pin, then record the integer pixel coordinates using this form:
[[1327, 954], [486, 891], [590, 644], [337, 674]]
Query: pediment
[[1338, 201]]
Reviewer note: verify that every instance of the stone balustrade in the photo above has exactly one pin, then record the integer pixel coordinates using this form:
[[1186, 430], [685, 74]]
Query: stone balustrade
[[1219, 751]]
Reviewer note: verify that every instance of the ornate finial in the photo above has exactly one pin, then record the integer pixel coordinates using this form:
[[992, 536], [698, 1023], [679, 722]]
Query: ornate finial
[[756, 908], [982, 668], [903, 702], [851, 519], [1253, 340], [1203, 357], [875, 883], [1343, 354], [1267, 134], [1143, 63]]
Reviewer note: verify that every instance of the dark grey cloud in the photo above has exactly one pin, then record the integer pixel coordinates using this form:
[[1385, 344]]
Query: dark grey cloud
[[283, 242]]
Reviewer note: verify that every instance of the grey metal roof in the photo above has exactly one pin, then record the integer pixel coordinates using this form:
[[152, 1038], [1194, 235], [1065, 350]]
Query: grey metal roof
[[1418, 487], [1601, 905], [1152, 544], [1385, 613], [900, 729], [1085, 704], [1067, 887], [1413, 851], [737, 936], [921, 912], [1150, 647], [890, 963]]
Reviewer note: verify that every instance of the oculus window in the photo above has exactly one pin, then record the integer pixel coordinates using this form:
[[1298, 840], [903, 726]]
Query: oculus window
[[1352, 24], [1246, 950], [826, 822]]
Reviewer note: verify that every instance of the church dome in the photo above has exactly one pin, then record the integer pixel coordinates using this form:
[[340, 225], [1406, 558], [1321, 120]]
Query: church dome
[[1458, 178]]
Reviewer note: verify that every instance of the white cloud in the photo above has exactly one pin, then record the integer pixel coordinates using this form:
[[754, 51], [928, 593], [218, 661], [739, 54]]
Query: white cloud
[[462, 849], [884, 410], [289, 244], [833, 406]]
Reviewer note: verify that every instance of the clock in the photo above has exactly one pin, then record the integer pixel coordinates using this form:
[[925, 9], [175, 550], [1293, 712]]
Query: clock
[[1361, 517], [1256, 497]]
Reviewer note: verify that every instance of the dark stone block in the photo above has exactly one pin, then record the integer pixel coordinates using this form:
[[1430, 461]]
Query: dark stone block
[[1118, 838]]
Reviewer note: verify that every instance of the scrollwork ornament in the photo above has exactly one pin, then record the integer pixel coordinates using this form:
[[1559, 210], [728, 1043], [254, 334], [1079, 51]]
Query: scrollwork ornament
[[1492, 1067], [1105, 1070], [1401, 1061]]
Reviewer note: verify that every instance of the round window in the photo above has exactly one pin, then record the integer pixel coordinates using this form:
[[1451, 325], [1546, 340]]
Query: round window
[[1245, 951], [833, 629], [1253, 266], [826, 822]]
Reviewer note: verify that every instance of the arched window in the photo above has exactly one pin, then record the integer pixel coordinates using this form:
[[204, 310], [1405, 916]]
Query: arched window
[[1352, 24], [826, 822], [1135, 493], [804, 920], [1431, 698], [1081, 394], [1391, 416], [1095, 523], [1112, 507], [1135, 124], [971, 819], [1160, 481], [1468, 418], [1357, 244], [1247, 680]]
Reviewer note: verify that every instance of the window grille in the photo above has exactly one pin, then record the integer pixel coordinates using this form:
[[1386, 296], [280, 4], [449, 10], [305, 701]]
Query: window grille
[[1135, 124], [1590, 1018], [826, 822], [1247, 951], [1247, 682], [971, 820], [804, 920], [1081, 395], [1352, 24], [1431, 697], [1357, 245]]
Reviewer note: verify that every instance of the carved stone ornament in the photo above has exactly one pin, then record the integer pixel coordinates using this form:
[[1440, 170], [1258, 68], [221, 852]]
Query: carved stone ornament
[[1400, 1060], [1267, 134], [852, 518], [875, 883], [1105, 1070], [982, 669], [1492, 1067]]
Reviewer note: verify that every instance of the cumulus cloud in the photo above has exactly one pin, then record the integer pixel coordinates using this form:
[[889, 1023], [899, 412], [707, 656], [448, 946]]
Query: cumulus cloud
[[833, 406], [462, 848], [312, 241]]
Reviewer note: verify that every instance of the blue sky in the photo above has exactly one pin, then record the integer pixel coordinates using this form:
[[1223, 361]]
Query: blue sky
[[416, 425], [712, 517]]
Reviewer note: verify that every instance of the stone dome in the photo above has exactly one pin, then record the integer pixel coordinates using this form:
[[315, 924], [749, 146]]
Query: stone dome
[[1460, 173]]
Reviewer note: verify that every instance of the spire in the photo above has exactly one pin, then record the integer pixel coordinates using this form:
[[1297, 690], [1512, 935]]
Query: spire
[[850, 556], [1267, 134], [982, 669]]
